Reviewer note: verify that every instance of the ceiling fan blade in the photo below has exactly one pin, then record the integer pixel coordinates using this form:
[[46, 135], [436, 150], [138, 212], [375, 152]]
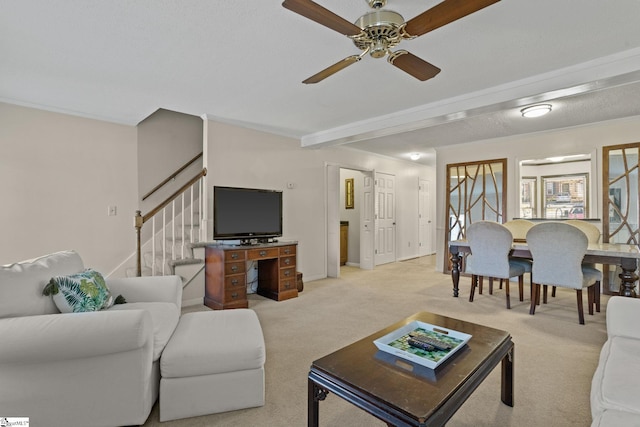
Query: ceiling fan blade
[[411, 64], [333, 69], [322, 16], [444, 13]]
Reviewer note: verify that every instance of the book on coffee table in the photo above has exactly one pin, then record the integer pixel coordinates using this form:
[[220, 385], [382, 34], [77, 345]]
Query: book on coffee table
[[409, 341]]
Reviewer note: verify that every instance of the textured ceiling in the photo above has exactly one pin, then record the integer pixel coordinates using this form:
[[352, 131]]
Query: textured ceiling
[[243, 62]]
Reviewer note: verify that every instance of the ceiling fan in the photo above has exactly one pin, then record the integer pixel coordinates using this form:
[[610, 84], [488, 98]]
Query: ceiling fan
[[378, 31]]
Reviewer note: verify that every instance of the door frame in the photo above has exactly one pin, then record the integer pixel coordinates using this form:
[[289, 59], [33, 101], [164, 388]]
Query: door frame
[[332, 203]]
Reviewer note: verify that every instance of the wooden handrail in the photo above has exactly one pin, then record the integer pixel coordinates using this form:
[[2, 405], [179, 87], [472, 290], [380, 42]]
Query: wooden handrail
[[173, 175], [140, 219], [169, 199]]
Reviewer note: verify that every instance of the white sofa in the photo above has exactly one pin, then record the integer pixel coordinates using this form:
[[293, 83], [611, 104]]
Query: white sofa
[[82, 369], [616, 383]]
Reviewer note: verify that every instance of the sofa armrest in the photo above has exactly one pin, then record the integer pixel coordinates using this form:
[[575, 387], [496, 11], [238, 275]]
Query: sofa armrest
[[53, 337], [148, 289], [623, 316]]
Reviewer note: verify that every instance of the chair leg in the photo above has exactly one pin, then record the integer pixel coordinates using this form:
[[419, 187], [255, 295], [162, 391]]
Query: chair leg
[[521, 288], [501, 283], [480, 281], [544, 291], [591, 291], [580, 309], [474, 282], [535, 293], [553, 292], [506, 291], [597, 296], [490, 285]]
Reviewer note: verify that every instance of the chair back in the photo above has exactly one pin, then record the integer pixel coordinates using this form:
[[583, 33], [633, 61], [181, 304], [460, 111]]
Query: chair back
[[557, 249], [490, 244], [592, 232], [519, 228]]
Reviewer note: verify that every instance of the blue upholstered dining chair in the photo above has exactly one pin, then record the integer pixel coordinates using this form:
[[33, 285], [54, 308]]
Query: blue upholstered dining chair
[[490, 245], [558, 249]]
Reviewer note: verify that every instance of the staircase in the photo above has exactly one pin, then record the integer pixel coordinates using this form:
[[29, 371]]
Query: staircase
[[173, 235]]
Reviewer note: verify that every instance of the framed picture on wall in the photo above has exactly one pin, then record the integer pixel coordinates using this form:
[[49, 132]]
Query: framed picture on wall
[[348, 193]]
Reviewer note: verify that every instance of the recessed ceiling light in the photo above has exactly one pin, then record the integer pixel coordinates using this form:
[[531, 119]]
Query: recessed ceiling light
[[536, 110], [415, 156]]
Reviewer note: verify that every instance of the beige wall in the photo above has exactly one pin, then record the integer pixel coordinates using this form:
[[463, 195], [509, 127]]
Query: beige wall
[[242, 157], [167, 140], [584, 139], [59, 173]]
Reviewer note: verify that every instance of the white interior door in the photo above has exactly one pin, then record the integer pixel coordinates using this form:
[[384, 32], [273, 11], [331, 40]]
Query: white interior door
[[385, 218], [425, 223], [367, 224]]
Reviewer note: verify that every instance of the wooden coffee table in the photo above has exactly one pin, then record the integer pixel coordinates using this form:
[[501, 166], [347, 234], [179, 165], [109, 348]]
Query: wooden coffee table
[[402, 393]]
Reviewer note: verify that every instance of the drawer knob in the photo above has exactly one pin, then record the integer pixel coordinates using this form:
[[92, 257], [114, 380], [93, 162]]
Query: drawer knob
[[234, 295], [234, 282], [234, 268], [234, 256], [287, 261], [287, 273], [287, 251], [263, 253], [287, 285]]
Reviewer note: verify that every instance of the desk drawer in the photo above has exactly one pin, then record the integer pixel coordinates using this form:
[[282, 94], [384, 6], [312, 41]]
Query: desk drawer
[[287, 284], [234, 282], [288, 250], [262, 253], [288, 273], [234, 268], [234, 255], [287, 261], [235, 295]]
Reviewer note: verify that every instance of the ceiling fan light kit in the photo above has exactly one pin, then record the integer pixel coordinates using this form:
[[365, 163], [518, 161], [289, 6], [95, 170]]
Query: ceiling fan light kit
[[536, 110], [379, 31]]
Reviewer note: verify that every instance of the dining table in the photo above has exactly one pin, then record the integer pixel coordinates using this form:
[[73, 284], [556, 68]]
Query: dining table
[[624, 255]]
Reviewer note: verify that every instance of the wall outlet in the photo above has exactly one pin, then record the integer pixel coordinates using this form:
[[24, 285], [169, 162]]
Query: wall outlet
[[112, 210]]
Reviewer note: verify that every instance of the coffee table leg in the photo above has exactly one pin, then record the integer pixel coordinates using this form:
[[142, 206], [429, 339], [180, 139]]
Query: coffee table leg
[[507, 377], [316, 394]]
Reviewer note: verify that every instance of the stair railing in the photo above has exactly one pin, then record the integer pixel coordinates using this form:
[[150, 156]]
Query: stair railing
[[185, 199]]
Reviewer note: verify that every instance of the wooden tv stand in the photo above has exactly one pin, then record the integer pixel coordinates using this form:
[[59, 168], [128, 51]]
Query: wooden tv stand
[[225, 283]]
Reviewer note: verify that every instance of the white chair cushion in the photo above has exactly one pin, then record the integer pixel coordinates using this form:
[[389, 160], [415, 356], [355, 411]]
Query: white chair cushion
[[213, 342], [612, 388], [164, 316], [613, 418], [21, 283]]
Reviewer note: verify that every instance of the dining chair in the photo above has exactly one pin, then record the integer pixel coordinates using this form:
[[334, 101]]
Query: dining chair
[[490, 244], [558, 249], [593, 236]]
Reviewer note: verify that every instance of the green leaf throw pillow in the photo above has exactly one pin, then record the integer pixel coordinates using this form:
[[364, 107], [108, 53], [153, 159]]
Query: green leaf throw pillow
[[80, 292]]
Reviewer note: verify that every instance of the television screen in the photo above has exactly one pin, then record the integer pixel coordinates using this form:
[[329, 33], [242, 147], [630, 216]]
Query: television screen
[[246, 213]]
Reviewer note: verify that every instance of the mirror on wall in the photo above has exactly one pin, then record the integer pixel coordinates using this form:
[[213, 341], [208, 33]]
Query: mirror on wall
[[556, 187]]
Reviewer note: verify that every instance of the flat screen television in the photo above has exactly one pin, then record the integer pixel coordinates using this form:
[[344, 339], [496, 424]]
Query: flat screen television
[[246, 213]]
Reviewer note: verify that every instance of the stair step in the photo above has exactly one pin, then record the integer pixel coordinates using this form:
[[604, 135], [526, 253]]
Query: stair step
[[185, 261]]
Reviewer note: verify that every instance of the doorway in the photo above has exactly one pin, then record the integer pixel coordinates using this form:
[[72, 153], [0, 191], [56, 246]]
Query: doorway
[[350, 203]]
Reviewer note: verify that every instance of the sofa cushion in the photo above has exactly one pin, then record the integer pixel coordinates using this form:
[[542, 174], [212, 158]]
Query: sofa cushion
[[79, 292], [164, 316], [21, 283], [612, 388]]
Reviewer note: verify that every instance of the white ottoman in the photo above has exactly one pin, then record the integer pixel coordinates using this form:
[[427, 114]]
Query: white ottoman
[[214, 362]]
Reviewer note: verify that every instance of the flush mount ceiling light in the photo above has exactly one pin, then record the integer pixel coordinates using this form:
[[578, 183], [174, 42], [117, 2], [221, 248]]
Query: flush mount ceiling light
[[536, 110], [415, 156]]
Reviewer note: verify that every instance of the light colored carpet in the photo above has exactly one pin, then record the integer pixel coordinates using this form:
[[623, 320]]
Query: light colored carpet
[[555, 357]]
